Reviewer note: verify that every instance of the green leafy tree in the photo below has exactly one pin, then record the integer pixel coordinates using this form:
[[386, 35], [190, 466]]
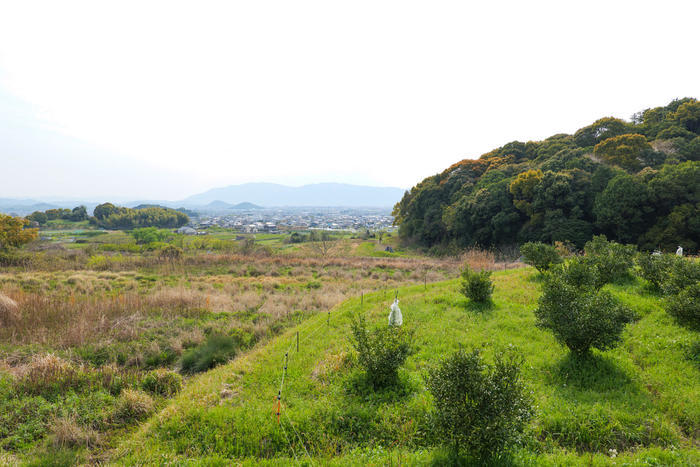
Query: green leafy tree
[[78, 214], [625, 151], [13, 232], [523, 189], [688, 115], [147, 235], [623, 209], [599, 130], [39, 217], [103, 211]]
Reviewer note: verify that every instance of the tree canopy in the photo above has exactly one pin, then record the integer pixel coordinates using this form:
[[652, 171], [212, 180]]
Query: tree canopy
[[13, 232], [636, 182], [110, 216]]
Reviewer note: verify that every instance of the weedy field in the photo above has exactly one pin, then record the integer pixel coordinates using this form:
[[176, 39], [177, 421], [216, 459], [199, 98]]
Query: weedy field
[[113, 353], [97, 335], [638, 404]]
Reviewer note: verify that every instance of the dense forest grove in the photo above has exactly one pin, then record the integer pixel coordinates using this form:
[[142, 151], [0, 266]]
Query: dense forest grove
[[109, 216], [636, 182]]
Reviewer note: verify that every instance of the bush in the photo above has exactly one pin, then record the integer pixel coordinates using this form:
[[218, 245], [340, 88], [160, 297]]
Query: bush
[[162, 382], [581, 318], [380, 352], [477, 286], [612, 259], [217, 349], [539, 255], [685, 306], [655, 269], [579, 273], [683, 273], [170, 253], [480, 408], [133, 405]]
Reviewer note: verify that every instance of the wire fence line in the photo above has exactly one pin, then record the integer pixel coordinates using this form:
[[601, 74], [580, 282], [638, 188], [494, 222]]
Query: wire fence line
[[283, 379]]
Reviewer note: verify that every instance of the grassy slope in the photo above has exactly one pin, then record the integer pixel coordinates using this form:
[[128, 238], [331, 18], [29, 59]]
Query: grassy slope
[[645, 393]]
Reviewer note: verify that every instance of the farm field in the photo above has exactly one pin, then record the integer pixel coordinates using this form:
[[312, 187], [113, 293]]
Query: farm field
[[638, 404]]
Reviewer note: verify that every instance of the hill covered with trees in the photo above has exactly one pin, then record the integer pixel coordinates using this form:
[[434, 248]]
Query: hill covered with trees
[[636, 182]]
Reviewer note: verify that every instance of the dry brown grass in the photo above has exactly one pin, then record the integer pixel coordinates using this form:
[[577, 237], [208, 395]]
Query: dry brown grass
[[47, 373], [478, 259], [182, 298], [9, 310], [133, 405], [66, 432], [77, 307]]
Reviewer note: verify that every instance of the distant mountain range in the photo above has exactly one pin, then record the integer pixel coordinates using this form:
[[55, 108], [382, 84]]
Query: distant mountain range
[[318, 194], [248, 196]]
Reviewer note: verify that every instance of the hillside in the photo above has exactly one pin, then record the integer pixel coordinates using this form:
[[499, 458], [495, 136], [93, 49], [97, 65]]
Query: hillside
[[636, 182], [319, 194], [638, 402]]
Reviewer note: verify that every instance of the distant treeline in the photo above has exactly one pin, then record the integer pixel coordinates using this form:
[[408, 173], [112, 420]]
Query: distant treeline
[[109, 216], [76, 214], [637, 182]]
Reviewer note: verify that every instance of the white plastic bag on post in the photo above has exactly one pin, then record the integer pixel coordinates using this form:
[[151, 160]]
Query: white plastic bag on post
[[395, 318]]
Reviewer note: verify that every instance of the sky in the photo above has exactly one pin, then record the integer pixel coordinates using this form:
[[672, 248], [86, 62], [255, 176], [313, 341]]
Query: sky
[[161, 100]]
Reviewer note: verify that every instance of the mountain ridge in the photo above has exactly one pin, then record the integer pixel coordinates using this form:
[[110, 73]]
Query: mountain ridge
[[316, 194]]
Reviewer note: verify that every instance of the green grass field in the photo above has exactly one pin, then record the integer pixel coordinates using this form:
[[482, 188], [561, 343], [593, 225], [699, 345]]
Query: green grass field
[[638, 404]]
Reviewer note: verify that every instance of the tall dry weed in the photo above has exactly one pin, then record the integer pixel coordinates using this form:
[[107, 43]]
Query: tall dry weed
[[66, 432], [9, 310], [478, 259]]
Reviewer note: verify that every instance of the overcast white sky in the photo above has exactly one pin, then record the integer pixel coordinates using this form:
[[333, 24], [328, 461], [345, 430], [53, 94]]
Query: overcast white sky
[[165, 99]]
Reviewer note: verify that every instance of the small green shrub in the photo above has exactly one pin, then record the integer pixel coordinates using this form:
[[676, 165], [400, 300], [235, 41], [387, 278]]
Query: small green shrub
[[539, 255], [683, 273], [612, 259], [477, 286], [217, 349], [685, 306], [655, 269], [480, 408], [579, 273], [133, 405], [581, 318], [160, 357], [162, 382], [381, 352]]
